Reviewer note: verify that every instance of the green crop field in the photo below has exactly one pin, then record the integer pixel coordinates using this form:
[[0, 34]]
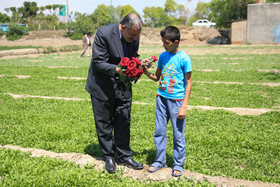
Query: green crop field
[[219, 142]]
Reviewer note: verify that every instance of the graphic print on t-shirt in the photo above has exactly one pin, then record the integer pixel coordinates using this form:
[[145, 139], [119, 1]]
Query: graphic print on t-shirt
[[168, 79]]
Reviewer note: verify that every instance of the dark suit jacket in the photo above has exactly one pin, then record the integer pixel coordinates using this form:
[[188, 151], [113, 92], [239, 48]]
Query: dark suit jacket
[[107, 53]]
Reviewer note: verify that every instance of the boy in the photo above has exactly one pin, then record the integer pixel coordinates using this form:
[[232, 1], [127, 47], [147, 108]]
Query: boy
[[174, 70]]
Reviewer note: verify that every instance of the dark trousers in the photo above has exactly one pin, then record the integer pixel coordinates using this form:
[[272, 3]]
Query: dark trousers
[[112, 121]]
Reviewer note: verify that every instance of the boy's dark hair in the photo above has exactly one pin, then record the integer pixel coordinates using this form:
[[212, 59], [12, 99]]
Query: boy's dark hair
[[172, 33]]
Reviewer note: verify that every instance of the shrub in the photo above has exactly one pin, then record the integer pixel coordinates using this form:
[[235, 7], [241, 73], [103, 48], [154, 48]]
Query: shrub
[[49, 49], [16, 31], [76, 36], [2, 32], [70, 48]]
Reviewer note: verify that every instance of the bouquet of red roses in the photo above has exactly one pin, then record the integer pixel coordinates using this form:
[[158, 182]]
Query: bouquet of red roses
[[132, 71]]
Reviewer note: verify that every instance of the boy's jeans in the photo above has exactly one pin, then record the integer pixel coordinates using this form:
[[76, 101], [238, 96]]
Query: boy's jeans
[[168, 109]]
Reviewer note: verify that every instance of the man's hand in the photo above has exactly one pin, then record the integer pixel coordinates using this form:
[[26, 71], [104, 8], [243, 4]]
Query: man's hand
[[118, 70]]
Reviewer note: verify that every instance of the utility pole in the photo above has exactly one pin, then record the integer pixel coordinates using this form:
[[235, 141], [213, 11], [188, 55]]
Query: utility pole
[[66, 13], [111, 12], [238, 7]]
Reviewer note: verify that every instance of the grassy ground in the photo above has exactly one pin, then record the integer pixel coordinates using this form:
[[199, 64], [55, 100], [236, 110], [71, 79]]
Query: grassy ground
[[16, 47], [218, 142]]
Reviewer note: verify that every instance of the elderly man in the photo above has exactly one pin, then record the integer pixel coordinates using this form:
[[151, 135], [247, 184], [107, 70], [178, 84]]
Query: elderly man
[[86, 44], [111, 101]]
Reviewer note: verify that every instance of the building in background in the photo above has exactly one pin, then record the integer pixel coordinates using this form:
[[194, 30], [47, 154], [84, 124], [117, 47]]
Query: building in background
[[262, 25]]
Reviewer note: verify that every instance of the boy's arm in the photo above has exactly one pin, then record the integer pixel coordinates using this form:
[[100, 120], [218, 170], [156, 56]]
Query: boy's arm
[[154, 77], [183, 110]]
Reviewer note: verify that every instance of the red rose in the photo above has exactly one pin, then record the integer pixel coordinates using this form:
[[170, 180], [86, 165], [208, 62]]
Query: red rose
[[131, 65], [137, 61], [124, 62], [129, 73], [138, 73], [154, 58]]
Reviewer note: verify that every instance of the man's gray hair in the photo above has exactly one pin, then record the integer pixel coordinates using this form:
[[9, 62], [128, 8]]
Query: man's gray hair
[[132, 19]]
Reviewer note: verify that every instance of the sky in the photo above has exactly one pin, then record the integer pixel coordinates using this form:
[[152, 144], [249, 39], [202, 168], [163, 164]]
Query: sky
[[88, 6]]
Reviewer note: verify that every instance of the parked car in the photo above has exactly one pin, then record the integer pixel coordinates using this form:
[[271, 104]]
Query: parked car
[[204, 23], [4, 26]]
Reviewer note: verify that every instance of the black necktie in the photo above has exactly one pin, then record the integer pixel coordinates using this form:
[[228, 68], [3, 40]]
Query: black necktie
[[125, 48]]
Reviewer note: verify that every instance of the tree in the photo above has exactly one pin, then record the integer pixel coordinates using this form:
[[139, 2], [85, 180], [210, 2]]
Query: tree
[[82, 25], [202, 10], [4, 18], [164, 19], [53, 9], [29, 9], [170, 7], [223, 12], [182, 14], [151, 15], [15, 14], [226, 11], [156, 17], [117, 14], [41, 17], [127, 9], [101, 16]]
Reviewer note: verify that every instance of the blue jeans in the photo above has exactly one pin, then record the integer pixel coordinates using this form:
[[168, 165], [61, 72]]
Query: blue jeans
[[168, 109]]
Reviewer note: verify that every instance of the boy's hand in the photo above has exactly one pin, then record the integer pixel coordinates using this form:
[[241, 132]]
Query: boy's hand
[[182, 113], [144, 63]]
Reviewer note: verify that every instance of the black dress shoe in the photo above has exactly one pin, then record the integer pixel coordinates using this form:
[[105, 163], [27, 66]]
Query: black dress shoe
[[110, 165], [129, 162]]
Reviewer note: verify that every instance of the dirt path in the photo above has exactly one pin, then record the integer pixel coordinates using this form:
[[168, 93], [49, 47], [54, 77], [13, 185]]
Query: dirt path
[[239, 111], [162, 175]]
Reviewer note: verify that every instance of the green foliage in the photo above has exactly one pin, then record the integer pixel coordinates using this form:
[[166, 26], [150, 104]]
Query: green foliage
[[83, 24], [4, 18], [101, 16], [16, 31], [127, 9], [156, 17], [172, 14], [2, 32], [203, 11], [192, 19], [170, 6], [76, 36], [223, 12], [29, 9]]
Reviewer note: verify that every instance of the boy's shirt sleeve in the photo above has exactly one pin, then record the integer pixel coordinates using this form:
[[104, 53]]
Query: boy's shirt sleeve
[[187, 65]]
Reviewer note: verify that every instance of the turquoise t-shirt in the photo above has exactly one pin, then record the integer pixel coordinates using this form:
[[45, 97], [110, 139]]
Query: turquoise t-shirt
[[174, 67]]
